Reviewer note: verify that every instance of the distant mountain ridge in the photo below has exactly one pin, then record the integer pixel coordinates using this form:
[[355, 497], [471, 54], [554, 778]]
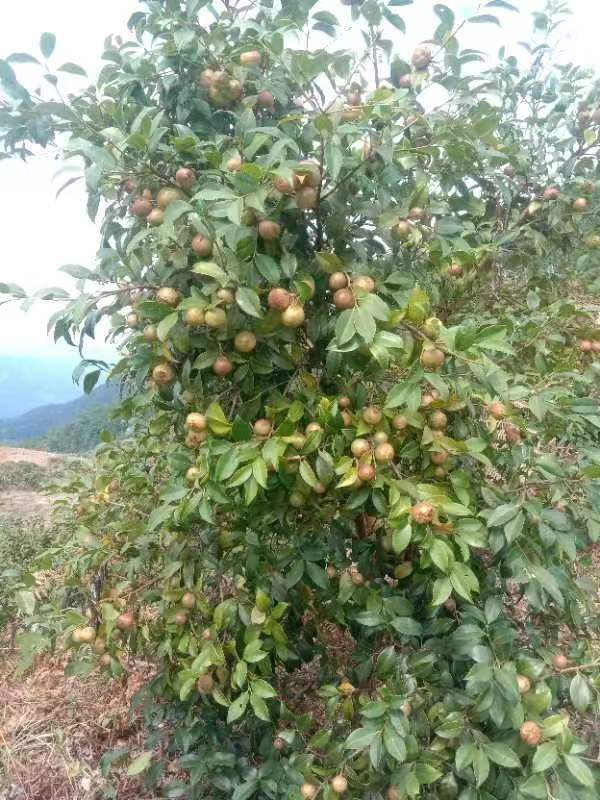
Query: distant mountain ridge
[[38, 422], [29, 381]]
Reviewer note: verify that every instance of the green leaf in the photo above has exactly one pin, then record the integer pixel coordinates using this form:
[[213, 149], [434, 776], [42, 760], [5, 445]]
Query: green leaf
[[238, 707], [165, 325], [212, 270], [581, 693], [360, 739], [502, 514], [25, 601], [260, 707], [47, 44], [141, 763], [259, 470], [502, 755], [394, 744], [441, 591], [545, 757], [401, 538], [579, 770], [249, 302], [481, 767], [407, 626], [307, 473], [73, 69], [364, 324], [485, 18], [262, 689], [295, 573]]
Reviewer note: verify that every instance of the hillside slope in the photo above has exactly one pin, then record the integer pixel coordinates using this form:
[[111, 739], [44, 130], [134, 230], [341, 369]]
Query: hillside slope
[[38, 422]]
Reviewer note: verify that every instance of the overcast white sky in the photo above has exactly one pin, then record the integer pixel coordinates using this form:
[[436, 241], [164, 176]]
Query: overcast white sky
[[40, 233]]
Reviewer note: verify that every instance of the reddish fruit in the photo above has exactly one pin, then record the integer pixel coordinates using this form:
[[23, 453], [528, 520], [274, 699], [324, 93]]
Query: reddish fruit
[[439, 457], [129, 186], [393, 793], [422, 513], [265, 100], [379, 437], [367, 473], [438, 421], [202, 246], [509, 171], [279, 299], [156, 217], [263, 427], [206, 78], [337, 280], [307, 173], [188, 600], [194, 317], [308, 791], [421, 57], [344, 299], [269, 230], [279, 744], [357, 579], [560, 661], [596, 346], [234, 164], [105, 660], [344, 401], [450, 605], [523, 683], [455, 270], [180, 618], [512, 433], [306, 198], [283, 185], [312, 427], [586, 346], [319, 488], [405, 81], [163, 374], [293, 317], [222, 366], [141, 207], [185, 177], [497, 409], [196, 421], [580, 205], [354, 97], [245, 342], [530, 733], [133, 320], [432, 358], [125, 621], [205, 684], [346, 418], [406, 709], [251, 58], [551, 193], [372, 415], [384, 453]]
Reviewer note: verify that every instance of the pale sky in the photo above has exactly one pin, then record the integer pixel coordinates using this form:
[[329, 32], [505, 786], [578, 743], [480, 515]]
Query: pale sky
[[40, 233]]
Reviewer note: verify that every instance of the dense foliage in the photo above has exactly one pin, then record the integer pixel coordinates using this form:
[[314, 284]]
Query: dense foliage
[[366, 452]]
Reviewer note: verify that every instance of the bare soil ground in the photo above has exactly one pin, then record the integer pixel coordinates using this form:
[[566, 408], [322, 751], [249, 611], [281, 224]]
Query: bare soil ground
[[54, 730]]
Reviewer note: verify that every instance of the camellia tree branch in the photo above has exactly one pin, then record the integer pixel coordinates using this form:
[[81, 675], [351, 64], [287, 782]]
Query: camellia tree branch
[[361, 372]]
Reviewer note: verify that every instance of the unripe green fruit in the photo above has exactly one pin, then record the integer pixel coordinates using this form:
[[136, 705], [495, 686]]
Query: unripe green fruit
[[297, 500], [372, 415], [194, 317], [432, 358], [192, 474], [168, 195], [226, 296], [215, 318], [150, 334], [360, 447], [432, 327], [245, 342], [293, 317]]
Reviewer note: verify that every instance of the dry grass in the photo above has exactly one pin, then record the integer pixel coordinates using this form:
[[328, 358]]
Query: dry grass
[[53, 731]]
